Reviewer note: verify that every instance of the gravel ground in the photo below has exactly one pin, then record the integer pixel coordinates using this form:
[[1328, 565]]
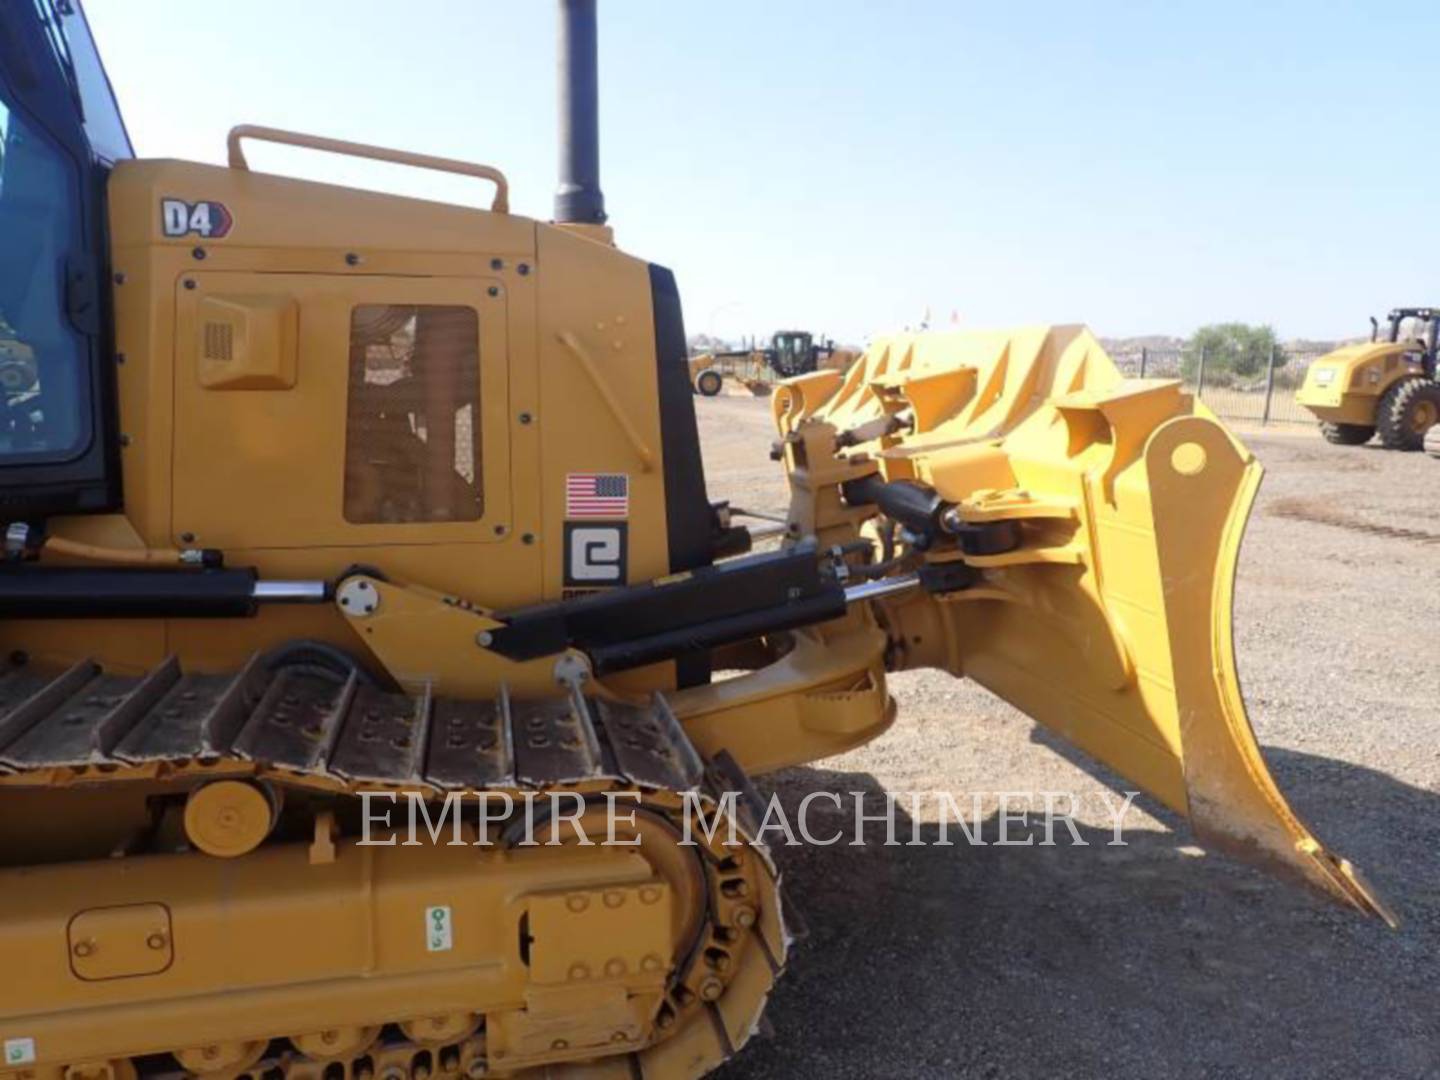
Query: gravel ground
[[1151, 959]]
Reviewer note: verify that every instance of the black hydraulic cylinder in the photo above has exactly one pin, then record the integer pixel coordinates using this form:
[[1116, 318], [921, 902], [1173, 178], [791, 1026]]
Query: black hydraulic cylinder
[[923, 512], [711, 605], [913, 505], [623, 655], [62, 592], [578, 198]]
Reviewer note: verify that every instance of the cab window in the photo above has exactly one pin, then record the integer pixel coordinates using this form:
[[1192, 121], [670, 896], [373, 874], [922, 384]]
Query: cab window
[[43, 390]]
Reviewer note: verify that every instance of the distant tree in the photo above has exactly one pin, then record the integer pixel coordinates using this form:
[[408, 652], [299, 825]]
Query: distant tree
[[1237, 350]]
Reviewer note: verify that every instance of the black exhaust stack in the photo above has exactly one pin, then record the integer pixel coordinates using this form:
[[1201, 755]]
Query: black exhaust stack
[[579, 200]]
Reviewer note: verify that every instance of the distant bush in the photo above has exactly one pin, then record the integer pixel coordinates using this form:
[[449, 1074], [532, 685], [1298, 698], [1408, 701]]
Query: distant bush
[[1290, 377], [1235, 353]]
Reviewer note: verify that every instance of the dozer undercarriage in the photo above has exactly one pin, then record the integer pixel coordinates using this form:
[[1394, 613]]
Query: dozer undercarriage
[[508, 942], [335, 516]]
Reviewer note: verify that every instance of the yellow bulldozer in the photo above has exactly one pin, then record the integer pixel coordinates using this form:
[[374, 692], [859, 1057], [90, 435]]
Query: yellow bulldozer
[[324, 503], [1386, 385]]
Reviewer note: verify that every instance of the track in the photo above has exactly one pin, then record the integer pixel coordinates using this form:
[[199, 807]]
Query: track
[[342, 730], [318, 738]]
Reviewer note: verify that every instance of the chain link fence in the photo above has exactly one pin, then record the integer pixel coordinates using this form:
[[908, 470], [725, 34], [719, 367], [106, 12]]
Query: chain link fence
[[1263, 397]]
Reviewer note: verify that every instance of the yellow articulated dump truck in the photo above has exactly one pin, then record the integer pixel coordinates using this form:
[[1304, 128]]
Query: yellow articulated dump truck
[[321, 501], [1386, 385]]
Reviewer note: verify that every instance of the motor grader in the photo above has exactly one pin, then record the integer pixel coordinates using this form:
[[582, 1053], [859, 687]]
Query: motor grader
[[321, 495], [790, 353], [1387, 384]]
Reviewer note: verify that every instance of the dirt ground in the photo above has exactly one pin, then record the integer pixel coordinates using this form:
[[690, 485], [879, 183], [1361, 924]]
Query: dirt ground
[[1152, 959]]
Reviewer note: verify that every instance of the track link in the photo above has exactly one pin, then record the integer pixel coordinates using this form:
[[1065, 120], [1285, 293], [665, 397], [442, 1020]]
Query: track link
[[342, 730]]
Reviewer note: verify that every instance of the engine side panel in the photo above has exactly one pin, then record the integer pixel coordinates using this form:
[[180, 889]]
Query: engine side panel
[[235, 354]]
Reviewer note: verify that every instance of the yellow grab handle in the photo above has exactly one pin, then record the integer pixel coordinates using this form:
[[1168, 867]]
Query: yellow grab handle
[[500, 204]]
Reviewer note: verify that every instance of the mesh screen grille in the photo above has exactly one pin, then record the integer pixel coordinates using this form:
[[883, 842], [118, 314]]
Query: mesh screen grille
[[412, 434], [219, 341]]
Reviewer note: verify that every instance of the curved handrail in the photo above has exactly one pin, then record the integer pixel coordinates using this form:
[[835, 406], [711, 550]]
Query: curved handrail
[[500, 204]]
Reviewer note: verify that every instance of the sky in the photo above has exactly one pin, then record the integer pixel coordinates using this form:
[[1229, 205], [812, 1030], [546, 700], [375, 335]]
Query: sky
[[843, 167]]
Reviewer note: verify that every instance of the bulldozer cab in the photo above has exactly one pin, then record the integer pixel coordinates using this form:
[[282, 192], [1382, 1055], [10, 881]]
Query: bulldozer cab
[[60, 131]]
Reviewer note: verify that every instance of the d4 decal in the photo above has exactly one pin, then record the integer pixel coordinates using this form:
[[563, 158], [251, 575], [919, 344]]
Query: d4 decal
[[210, 220], [595, 554]]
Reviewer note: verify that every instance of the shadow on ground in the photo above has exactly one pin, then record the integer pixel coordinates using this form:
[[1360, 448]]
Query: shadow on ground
[[1136, 961]]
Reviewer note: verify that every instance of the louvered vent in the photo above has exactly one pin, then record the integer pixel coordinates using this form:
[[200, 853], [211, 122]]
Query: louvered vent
[[219, 341]]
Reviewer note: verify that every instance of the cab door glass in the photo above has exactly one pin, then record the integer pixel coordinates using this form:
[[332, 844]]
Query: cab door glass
[[43, 394]]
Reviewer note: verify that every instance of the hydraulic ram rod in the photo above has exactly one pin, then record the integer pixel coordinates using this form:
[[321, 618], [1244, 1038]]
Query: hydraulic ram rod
[[878, 590], [291, 592]]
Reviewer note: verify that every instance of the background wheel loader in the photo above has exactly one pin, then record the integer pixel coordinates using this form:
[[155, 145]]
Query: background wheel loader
[[1387, 385], [322, 499]]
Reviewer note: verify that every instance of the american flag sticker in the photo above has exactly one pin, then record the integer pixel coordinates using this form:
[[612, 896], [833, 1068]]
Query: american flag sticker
[[597, 495]]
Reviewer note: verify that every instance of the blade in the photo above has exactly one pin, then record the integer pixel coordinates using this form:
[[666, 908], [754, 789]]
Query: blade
[[1110, 623]]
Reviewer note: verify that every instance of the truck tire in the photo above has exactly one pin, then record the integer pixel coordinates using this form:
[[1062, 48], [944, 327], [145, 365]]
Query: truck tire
[[1346, 434], [708, 382], [1407, 411]]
